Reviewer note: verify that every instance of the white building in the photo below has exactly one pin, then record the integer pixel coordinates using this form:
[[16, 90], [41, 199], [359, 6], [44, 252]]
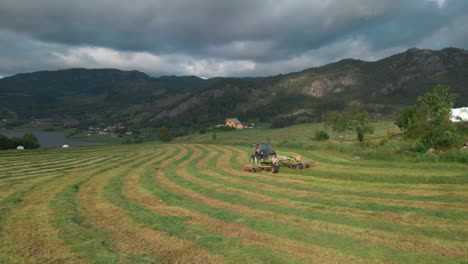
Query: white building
[[459, 114]]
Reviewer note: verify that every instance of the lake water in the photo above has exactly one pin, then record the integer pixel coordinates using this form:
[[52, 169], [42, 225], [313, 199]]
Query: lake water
[[53, 139]]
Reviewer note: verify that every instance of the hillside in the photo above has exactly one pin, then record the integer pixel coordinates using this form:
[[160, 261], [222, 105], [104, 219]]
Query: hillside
[[188, 103], [90, 93], [384, 86]]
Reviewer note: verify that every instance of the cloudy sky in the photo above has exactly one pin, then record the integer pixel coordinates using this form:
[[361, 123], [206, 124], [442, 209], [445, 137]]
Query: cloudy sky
[[219, 37]]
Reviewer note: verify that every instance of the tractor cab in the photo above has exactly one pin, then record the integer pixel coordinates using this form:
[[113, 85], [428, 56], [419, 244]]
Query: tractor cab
[[264, 147], [263, 151]]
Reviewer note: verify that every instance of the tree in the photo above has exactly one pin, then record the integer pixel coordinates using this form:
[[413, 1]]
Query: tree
[[436, 105], [164, 134], [30, 141], [434, 128], [335, 121], [406, 117], [353, 119], [360, 123], [6, 143]]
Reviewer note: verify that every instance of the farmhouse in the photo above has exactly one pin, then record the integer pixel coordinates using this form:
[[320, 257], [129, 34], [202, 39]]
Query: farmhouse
[[235, 123]]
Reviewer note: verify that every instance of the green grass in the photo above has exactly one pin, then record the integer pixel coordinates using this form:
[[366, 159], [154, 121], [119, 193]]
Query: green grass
[[377, 146], [342, 210], [298, 134], [100, 138]]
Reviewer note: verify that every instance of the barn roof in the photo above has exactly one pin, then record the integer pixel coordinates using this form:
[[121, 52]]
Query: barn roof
[[234, 119]]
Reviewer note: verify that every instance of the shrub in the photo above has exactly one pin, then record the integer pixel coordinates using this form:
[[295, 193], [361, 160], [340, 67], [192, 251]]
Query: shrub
[[442, 136], [303, 120], [321, 135], [406, 117], [454, 155], [30, 141], [281, 122], [164, 134], [419, 147]]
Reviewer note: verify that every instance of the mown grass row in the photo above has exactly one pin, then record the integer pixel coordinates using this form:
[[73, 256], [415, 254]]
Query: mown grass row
[[313, 175], [193, 203], [229, 247], [369, 215], [345, 193], [78, 231], [19, 194], [15, 198], [15, 183], [299, 234], [310, 184]]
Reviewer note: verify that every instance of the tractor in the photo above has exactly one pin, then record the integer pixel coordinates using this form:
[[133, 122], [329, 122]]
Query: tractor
[[265, 158]]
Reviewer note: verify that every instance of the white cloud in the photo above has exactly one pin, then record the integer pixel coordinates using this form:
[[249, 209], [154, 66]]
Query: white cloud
[[356, 47], [179, 64], [220, 38], [440, 3]]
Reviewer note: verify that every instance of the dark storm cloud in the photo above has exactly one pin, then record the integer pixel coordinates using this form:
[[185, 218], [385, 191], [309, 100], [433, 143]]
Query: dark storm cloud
[[213, 37]]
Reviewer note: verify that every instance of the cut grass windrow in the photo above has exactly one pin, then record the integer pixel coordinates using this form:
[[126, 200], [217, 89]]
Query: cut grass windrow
[[129, 237], [45, 169], [24, 168], [347, 202], [186, 203], [260, 245], [379, 178], [138, 234], [76, 230], [231, 248], [15, 185], [326, 240], [400, 241], [307, 184], [20, 174], [23, 244], [338, 219], [10, 183]]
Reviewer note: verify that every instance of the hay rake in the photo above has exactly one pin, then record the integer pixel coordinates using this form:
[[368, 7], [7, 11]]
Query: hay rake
[[266, 159]]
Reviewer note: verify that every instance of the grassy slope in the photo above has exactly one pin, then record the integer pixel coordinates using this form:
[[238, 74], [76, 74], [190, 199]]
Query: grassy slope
[[191, 203], [297, 134]]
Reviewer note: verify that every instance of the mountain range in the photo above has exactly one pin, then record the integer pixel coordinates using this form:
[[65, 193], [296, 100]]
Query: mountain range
[[91, 96]]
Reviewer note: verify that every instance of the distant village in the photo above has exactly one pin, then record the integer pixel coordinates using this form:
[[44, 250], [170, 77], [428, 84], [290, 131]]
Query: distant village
[[114, 131]]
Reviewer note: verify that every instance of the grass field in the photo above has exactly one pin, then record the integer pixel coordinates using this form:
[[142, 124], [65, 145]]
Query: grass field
[[298, 134], [191, 203]]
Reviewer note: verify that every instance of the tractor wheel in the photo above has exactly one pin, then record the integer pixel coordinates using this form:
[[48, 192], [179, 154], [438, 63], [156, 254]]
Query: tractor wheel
[[274, 169], [299, 166]]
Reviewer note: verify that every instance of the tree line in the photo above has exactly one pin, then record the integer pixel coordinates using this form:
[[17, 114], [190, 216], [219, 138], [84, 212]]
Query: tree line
[[427, 123], [28, 141]]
